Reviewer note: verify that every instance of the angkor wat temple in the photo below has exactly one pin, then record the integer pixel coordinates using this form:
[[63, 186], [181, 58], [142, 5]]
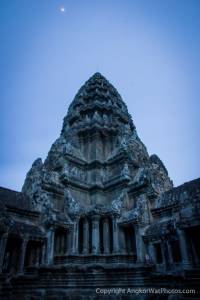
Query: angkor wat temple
[[98, 213]]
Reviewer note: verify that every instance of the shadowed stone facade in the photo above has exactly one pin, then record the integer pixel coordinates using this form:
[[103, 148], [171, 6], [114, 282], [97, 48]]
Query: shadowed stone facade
[[99, 212]]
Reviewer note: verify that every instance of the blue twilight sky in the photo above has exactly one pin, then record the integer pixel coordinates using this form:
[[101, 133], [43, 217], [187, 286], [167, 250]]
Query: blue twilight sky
[[149, 50]]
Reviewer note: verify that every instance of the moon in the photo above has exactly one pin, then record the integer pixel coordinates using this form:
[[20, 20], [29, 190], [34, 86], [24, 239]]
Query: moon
[[62, 9]]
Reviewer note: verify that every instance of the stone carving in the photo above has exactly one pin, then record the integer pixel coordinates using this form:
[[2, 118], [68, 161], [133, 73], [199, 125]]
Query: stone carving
[[125, 172], [51, 178], [117, 204], [71, 205], [72, 172], [123, 143], [141, 176], [71, 150], [129, 217]]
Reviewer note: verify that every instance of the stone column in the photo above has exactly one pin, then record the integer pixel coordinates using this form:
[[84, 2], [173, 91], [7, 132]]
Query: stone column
[[69, 240], [106, 236], [140, 247], [30, 256], [186, 261], [151, 252], [62, 243], [122, 240], [56, 243], [33, 256], [73, 248], [36, 256], [22, 256], [38, 253], [95, 235], [3, 242], [55, 248], [163, 252], [74, 235], [171, 261], [77, 236], [85, 236], [43, 261], [50, 246], [66, 242], [115, 235]]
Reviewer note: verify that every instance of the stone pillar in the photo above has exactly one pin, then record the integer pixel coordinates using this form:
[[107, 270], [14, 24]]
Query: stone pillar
[[69, 240], [74, 235], [38, 252], [140, 247], [85, 236], [43, 260], [106, 236], [171, 261], [186, 261], [122, 240], [163, 252], [30, 256], [95, 235], [62, 243], [3, 242], [151, 252], [115, 235], [50, 246], [66, 241], [73, 249], [22, 256], [55, 248]]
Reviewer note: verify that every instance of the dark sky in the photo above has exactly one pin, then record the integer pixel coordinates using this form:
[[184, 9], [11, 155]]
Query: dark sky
[[148, 49]]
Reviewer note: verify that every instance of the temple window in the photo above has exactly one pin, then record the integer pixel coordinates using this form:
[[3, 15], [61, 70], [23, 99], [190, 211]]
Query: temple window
[[60, 242], [33, 254], [130, 239], [12, 253]]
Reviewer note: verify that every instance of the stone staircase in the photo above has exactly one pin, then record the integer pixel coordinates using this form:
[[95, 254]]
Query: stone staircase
[[71, 280]]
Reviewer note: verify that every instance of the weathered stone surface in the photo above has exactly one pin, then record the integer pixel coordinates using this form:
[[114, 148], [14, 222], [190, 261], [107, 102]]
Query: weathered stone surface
[[99, 212]]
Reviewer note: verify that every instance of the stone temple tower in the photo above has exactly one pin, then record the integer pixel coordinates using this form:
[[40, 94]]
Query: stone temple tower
[[99, 212], [96, 174]]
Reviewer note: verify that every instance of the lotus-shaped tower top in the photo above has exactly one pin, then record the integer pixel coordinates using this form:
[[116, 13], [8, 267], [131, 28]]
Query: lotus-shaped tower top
[[97, 101]]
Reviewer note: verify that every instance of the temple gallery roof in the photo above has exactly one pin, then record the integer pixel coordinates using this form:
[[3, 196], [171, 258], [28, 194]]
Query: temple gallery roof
[[14, 199]]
